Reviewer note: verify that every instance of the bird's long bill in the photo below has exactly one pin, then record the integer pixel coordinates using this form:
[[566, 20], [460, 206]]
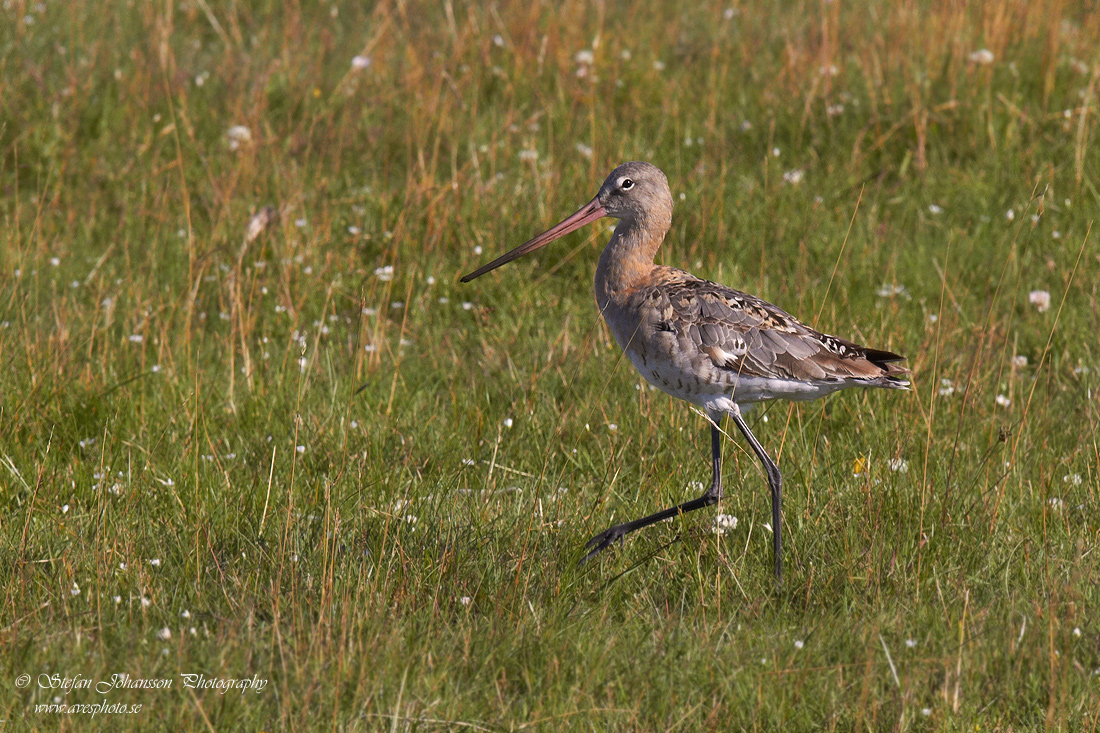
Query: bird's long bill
[[587, 213]]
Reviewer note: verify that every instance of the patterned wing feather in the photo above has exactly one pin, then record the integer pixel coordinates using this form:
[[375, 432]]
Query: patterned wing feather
[[754, 338]]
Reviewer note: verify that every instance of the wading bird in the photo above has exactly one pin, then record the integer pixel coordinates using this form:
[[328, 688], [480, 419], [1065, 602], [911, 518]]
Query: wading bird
[[710, 345]]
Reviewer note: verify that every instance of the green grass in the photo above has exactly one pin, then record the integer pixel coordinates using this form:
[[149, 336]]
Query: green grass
[[247, 445]]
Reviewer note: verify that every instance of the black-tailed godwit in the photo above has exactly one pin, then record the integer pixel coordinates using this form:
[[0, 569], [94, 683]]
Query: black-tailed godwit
[[702, 342]]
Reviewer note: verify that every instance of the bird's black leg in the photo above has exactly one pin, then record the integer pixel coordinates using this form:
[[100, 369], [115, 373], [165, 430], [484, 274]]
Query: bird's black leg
[[711, 496], [775, 481]]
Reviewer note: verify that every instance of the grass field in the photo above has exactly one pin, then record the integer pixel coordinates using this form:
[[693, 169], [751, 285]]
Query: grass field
[[252, 427]]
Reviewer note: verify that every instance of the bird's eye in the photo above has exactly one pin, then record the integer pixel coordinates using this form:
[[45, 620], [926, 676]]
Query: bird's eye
[[627, 184]]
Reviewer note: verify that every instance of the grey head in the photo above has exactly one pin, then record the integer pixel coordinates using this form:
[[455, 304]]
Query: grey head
[[635, 193]]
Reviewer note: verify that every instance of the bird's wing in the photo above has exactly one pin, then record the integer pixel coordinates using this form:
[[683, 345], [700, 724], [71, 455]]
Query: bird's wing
[[752, 337]]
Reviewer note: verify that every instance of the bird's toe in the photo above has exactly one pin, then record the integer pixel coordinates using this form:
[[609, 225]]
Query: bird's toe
[[601, 542]]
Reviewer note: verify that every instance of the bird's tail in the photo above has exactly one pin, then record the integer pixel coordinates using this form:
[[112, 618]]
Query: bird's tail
[[894, 374]]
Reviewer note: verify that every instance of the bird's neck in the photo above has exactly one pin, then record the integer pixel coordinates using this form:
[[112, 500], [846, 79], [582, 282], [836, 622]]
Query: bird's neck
[[627, 260]]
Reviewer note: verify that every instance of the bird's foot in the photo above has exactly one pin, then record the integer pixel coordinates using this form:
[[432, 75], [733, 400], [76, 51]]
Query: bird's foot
[[603, 540]]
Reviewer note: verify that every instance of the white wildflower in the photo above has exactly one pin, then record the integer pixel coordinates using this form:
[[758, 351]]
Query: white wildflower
[[946, 388], [528, 155], [793, 177], [982, 57], [724, 523], [584, 56], [1002, 400], [164, 634], [934, 209], [584, 150], [900, 465], [1019, 361], [238, 135], [384, 273], [889, 290], [1040, 299]]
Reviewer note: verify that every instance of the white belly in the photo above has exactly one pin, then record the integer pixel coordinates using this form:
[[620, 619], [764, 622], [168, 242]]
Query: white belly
[[717, 390]]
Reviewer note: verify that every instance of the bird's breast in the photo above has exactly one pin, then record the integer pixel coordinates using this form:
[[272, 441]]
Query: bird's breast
[[651, 339]]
